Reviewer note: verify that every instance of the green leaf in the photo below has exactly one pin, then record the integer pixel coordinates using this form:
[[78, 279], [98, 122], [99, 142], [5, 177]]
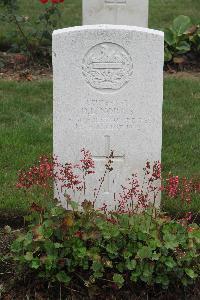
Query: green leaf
[[162, 279], [112, 248], [16, 246], [127, 254], [181, 24], [169, 262], [155, 256], [169, 37], [118, 279], [183, 47], [28, 256], [147, 271], [98, 268], [135, 275], [120, 267], [50, 262], [58, 245], [131, 264], [190, 273], [168, 55], [63, 277], [28, 239], [47, 232], [196, 235], [145, 252], [35, 264], [57, 211], [81, 252], [74, 205], [171, 241], [184, 281]]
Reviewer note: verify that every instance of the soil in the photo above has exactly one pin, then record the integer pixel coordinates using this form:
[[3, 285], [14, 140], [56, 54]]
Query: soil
[[186, 63], [14, 220], [16, 66]]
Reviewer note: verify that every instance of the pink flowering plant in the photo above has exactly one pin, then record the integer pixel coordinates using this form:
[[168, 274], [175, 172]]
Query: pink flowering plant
[[90, 248]]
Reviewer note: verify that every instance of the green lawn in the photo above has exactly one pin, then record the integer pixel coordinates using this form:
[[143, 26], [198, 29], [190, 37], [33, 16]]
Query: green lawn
[[26, 133], [161, 13]]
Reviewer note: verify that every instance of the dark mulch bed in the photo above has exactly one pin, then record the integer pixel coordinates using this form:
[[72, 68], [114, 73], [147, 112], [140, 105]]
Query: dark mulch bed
[[30, 288], [39, 292], [15, 221], [16, 66], [189, 63], [24, 285]]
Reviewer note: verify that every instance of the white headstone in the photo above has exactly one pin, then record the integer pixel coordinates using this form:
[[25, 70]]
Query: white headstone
[[117, 12], [108, 94]]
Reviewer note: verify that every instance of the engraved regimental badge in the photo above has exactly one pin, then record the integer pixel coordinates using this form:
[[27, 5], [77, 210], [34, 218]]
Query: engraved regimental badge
[[107, 66]]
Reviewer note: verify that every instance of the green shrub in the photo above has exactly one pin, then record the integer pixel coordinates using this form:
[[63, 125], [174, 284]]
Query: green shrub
[[181, 38], [32, 38], [121, 249]]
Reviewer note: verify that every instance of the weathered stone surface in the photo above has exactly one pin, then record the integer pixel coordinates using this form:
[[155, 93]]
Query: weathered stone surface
[[116, 12], [108, 92]]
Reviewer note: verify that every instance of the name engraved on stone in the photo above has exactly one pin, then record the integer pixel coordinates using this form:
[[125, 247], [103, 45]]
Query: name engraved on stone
[[105, 159], [107, 66], [104, 114], [115, 1], [111, 123]]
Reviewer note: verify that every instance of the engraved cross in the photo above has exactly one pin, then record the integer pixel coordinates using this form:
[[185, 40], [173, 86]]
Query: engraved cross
[[119, 158]]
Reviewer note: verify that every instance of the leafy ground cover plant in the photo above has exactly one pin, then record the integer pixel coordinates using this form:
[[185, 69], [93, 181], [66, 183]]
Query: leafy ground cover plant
[[181, 38], [115, 249]]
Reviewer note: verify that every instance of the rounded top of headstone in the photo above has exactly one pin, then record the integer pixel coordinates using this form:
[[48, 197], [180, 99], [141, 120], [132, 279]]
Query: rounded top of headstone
[[109, 27]]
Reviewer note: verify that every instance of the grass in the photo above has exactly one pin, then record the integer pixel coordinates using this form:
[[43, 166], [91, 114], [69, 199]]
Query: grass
[[181, 126], [161, 13], [26, 133], [181, 133]]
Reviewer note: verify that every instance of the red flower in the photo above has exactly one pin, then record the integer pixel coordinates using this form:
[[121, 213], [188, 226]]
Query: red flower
[[78, 234], [36, 175], [112, 220], [44, 1], [87, 163], [190, 229]]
